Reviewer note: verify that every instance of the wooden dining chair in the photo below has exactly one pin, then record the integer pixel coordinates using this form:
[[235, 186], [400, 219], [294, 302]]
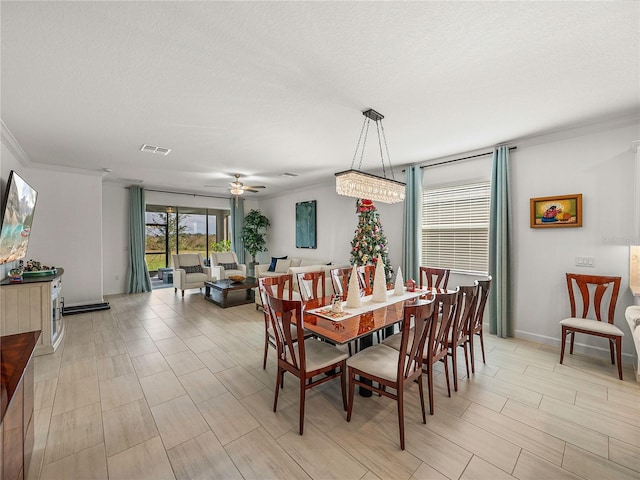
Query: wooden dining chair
[[602, 292], [434, 277], [312, 285], [465, 313], [340, 281], [394, 369], [279, 287], [476, 326], [436, 347], [366, 274], [304, 358]]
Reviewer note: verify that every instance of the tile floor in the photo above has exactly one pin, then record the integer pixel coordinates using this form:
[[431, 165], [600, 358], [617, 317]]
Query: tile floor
[[160, 387]]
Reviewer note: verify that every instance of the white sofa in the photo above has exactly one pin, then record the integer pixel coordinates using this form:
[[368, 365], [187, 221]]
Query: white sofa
[[299, 266], [184, 278], [221, 263]]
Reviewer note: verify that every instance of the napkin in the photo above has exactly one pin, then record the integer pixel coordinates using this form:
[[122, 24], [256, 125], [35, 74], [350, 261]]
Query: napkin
[[379, 283], [399, 286], [353, 294]]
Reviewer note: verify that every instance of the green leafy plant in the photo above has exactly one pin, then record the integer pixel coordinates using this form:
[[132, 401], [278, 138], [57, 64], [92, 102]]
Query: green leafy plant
[[222, 246], [253, 233]]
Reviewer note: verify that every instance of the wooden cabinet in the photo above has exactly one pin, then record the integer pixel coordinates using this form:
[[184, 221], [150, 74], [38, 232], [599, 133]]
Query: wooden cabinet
[[17, 389], [35, 304]]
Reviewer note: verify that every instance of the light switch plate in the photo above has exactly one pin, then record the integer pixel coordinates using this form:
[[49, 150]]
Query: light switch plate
[[586, 262]]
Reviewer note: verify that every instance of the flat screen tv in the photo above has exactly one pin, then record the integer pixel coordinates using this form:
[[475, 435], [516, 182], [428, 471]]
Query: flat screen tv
[[17, 216]]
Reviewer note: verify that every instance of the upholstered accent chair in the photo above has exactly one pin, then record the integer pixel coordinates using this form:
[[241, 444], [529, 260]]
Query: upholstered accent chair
[[189, 272], [225, 264]]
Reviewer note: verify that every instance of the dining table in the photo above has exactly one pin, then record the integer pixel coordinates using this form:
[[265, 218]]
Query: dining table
[[361, 322]]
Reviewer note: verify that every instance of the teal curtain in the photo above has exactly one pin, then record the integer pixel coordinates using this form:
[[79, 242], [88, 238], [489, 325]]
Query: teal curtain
[[412, 228], [236, 220], [500, 321], [138, 275]]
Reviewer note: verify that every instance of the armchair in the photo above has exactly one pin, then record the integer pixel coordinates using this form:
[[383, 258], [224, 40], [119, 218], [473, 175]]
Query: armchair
[[186, 273], [224, 264]]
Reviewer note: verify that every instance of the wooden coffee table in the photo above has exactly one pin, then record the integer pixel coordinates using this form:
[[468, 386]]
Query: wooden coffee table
[[226, 293]]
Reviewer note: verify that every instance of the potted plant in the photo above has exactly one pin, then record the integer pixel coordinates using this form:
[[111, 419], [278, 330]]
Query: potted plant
[[253, 235]]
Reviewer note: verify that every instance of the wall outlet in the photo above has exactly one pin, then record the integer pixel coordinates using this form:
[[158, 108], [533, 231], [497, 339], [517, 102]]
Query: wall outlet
[[586, 262]]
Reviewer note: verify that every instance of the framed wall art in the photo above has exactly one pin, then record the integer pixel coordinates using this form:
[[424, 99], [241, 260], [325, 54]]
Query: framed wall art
[[556, 211], [306, 224]]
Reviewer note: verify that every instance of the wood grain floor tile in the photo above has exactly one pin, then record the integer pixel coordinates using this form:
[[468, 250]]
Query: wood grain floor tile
[[161, 387], [73, 431], [128, 425], [227, 417], [120, 390], [183, 362], [199, 343], [201, 385], [593, 467], [88, 464], [72, 395], [178, 420], [624, 454], [478, 469], [146, 461], [216, 360], [530, 467], [257, 456], [169, 346], [558, 427], [141, 346], [426, 472], [239, 381], [110, 367], [149, 364]]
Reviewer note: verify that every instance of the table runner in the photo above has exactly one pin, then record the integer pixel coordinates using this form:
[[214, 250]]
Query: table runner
[[366, 305]]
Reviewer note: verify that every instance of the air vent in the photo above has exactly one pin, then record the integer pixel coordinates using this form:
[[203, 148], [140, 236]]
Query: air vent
[[130, 180], [287, 174], [154, 149]]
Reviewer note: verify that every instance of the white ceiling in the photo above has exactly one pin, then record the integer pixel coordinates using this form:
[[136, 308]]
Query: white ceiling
[[262, 88]]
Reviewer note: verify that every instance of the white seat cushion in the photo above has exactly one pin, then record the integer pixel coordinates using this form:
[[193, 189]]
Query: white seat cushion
[[379, 360], [592, 326], [394, 340], [320, 354]]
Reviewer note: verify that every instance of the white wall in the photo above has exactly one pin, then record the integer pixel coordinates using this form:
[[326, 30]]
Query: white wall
[[67, 226], [600, 166], [336, 224]]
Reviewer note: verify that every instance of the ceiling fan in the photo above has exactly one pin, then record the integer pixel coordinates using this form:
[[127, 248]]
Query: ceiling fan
[[238, 188]]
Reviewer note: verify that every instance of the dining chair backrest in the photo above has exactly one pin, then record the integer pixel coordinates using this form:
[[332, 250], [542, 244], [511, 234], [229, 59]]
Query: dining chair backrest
[[284, 315], [340, 281], [444, 315], [593, 288], [466, 305], [312, 285], [434, 277], [279, 287], [366, 274], [415, 329], [484, 286]]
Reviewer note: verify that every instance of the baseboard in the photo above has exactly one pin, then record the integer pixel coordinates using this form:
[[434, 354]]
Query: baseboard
[[627, 358], [85, 308]]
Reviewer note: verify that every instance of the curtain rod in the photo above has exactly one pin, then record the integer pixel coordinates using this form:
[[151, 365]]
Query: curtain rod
[[180, 193], [463, 158]]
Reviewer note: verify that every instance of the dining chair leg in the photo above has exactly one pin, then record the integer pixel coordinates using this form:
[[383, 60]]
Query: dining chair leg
[[343, 385], [563, 337], [613, 362], [573, 335], [482, 346], [454, 363], [446, 374], [303, 391], [352, 388], [279, 378], [421, 393], [266, 349], [400, 400], [430, 387], [619, 355], [473, 357], [465, 346]]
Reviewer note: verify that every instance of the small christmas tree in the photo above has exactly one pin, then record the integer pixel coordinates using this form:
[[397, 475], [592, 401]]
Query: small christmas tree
[[369, 240]]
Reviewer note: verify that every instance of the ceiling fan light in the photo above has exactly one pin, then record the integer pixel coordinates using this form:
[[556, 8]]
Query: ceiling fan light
[[237, 191]]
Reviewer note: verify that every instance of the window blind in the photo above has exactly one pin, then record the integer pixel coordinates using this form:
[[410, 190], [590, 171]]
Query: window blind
[[455, 227]]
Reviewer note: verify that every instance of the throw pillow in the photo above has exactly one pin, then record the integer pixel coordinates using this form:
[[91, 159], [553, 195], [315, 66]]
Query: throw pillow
[[274, 260], [193, 269], [282, 266], [229, 266]]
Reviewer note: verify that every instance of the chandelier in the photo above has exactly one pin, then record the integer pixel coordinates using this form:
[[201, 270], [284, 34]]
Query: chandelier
[[359, 184]]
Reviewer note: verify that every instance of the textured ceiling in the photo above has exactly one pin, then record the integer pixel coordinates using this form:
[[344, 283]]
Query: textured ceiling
[[262, 88]]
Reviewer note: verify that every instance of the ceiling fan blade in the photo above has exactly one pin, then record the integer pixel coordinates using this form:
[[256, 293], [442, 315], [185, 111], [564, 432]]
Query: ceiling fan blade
[[246, 189], [255, 186]]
